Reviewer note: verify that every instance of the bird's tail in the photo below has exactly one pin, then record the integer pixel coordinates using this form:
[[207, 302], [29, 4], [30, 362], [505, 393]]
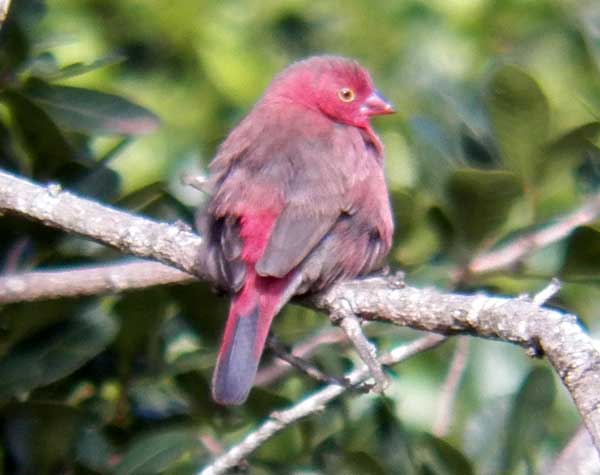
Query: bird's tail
[[252, 311]]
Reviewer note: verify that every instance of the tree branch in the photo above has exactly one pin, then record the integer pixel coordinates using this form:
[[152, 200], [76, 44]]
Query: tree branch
[[525, 245], [88, 280], [578, 458], [18, 291], [445, 409], [281, 419], [556, 335], [4, 6], [169, 244]]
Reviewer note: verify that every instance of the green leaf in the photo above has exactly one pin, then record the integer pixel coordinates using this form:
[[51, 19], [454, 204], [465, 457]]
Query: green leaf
[[582, 258], [41, 435], [40, 135], [438, 154], [78, 69], [10, 159], [589, 16], [91, 112], [577, 149], [42, 65], [482, 437], [286, 445], [56, 353], [159, 451], [141, 314], [19, 322], [528, 418], [353, 463], [141, 198], [15, 46], [480, 201], [393, 443], [101, 183], [196, 390], [436, 456], [576, 141], [519, 114], [93, 449]]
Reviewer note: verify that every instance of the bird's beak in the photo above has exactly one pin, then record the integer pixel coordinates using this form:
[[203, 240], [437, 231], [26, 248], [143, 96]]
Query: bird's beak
[[376, 104]]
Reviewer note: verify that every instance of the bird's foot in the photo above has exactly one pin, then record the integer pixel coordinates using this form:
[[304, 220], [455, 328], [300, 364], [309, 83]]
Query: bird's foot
[[350, 323]]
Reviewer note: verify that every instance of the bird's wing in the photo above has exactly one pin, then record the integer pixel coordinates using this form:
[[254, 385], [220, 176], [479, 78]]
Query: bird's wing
[[296, 233], [314, 199], [303, 176]]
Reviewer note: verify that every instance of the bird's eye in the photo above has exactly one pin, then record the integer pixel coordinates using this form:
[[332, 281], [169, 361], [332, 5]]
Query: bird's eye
[[346, 94]]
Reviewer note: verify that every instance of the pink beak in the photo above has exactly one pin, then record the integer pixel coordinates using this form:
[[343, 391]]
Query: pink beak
[[376, 104]]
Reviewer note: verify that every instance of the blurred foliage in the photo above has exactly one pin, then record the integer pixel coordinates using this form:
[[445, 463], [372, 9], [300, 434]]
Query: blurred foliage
[[498, 132]]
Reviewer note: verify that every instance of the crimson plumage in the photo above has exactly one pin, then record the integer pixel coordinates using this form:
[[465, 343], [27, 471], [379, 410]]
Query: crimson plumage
[[298, 200]]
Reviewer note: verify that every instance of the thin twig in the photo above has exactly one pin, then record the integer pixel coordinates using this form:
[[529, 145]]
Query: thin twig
[[196, 181], [4, 7], [445, 408], [282, 419], [15, 255], [211, 445], [271, 373], [302, 365], [547, 292], [521, 247]]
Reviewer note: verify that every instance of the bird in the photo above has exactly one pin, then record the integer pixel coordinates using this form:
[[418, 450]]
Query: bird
[[297, 200]]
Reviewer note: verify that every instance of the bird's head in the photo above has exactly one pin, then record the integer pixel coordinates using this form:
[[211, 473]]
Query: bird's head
[[338, 87]]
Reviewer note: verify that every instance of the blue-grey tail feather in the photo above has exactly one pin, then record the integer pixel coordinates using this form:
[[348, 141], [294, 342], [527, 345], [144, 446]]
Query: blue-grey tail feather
[[237, 365]]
